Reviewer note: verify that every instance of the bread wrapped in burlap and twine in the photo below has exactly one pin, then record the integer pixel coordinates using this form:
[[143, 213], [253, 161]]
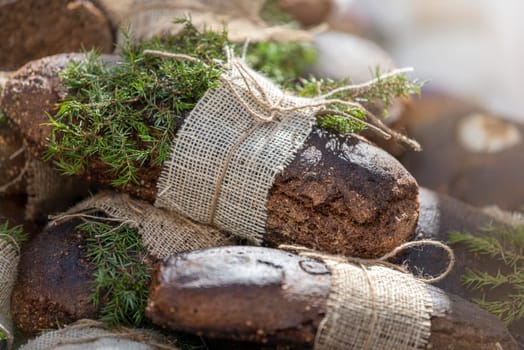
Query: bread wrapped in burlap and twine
[[90, 334], [224, 159], [9, 258], [374, 304], [227, 154], [149, 18]]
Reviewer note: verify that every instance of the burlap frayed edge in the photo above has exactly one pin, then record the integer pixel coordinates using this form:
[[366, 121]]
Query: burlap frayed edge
[[231, 147], [163, 233], [396, 276]]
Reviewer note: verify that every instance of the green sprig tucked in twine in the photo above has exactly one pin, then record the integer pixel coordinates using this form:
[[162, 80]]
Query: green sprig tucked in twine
[[123, 116]]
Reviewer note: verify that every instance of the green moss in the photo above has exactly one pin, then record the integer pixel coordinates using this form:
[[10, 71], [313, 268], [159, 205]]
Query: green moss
[[121, 277], [506, 247]]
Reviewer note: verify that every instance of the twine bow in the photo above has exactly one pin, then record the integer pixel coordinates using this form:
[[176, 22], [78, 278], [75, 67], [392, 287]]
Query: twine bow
[[272, 109]]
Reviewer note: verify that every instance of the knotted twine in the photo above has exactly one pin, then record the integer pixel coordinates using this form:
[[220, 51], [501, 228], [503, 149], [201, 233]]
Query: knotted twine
[[163, 233], [225, 158], [9, 258], [374, 304], [90, 334]]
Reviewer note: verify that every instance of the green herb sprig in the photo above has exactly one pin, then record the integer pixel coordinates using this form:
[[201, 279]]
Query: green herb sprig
[[13, 235], [121, 276], [382, 91], [505, 245], [122, 117]]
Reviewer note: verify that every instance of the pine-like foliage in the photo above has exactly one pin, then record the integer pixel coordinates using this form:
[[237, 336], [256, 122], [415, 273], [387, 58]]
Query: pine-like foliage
[[123, 116], [121, 277], [506, 246], [382, 92]]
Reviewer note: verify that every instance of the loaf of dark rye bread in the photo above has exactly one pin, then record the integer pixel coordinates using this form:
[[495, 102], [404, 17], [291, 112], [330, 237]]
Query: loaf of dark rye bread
[[340, 194]]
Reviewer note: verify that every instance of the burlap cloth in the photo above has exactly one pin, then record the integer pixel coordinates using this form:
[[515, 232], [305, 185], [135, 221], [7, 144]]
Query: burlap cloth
[[374, 307], [225, 158], [9, 258], [148, 18], [88, 335], [374, 304], [163, 233], [48, 191]]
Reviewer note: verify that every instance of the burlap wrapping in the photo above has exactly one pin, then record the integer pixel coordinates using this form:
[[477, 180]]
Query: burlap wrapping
[[47, 191], [149, 18], [12, 160], [374, 307], [9, 258], [163, 233], [86, 335], [224, 159]]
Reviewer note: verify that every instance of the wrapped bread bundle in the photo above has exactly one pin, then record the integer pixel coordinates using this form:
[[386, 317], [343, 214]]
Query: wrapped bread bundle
[[221, 144], [314, 301]]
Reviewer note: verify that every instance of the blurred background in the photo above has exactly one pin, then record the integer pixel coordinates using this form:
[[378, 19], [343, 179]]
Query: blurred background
[[471, 48]]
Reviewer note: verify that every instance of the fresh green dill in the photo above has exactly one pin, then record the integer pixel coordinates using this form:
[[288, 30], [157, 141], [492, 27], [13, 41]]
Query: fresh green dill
[[505, 245], [121, 276]]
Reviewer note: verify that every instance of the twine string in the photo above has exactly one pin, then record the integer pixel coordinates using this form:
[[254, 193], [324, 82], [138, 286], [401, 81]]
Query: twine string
[[365, 85], [383, 260], [322, 102]]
